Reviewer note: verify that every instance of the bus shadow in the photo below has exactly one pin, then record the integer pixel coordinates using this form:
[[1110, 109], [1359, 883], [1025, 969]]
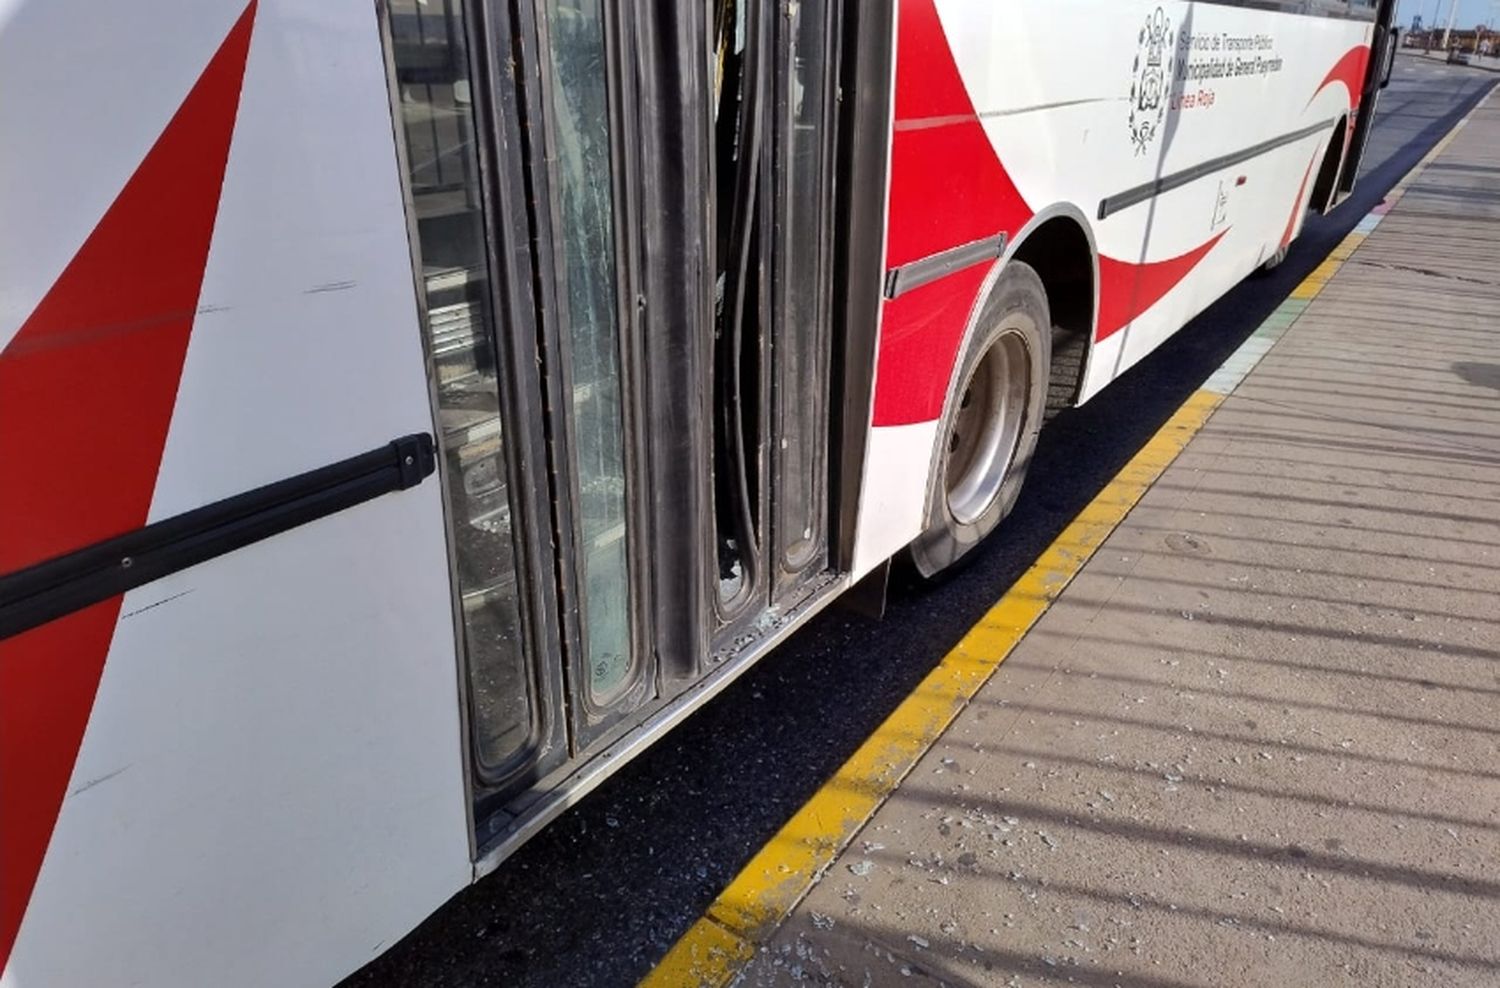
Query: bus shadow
[[1478, 374]]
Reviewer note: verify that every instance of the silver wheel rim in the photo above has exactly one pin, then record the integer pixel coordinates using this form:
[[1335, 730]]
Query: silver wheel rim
[[986, 428]]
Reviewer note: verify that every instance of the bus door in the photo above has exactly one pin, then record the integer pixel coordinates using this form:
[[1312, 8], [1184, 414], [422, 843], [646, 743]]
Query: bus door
[[773, 104], [729, 164], [1383, 44], [508, 120], [684, 263], [621, 221]]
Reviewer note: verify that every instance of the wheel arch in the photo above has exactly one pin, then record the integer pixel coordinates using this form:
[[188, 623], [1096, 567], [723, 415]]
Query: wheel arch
[[1325, 188], [1060, 239], [1058, 244]]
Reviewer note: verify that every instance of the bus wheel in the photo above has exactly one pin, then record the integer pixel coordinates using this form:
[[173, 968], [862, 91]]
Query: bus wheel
[[989, 429], [1273, 262]]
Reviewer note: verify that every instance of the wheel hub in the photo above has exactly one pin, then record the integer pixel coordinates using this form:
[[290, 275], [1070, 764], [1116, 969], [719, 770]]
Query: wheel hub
[[986, 428]]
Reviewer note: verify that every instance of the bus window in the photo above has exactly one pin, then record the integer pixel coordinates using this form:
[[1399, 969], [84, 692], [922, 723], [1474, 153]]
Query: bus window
[[738, 57], [436, 119], [801, 262], [590, 323], [773, 87]]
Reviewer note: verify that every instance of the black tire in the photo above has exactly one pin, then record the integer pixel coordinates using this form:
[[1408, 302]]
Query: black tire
[[1273, 262], [1007, 355]]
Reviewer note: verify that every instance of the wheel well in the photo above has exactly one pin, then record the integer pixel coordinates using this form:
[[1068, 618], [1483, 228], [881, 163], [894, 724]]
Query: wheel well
[[1060, 253], [1328, 171]]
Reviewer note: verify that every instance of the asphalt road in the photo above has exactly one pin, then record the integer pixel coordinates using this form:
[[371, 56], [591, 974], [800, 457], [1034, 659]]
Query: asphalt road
[[599, 896]]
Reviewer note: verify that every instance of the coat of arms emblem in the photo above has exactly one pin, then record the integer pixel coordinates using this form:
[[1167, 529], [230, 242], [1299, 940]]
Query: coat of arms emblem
[[1152, 75]]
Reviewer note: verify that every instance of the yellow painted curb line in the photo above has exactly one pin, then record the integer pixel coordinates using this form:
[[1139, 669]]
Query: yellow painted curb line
[[717, 947], [719, 944]]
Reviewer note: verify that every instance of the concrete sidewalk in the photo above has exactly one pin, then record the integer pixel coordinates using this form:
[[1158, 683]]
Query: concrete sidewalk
[[1255, 740]]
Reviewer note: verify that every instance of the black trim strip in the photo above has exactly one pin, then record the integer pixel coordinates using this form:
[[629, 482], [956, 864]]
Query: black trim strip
[[60, 586], [1155, 187], [899, 281]]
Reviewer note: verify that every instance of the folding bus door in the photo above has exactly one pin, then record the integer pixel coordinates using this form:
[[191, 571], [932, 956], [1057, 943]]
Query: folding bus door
[[1377, 77], [774, 119]]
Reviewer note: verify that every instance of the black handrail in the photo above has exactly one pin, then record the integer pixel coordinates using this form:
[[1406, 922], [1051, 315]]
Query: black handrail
[[56, 587]]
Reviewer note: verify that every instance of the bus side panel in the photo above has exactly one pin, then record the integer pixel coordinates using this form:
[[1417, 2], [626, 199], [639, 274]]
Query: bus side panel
[[1146, 91], [1008, 109], [1254, 202], [269, 788]]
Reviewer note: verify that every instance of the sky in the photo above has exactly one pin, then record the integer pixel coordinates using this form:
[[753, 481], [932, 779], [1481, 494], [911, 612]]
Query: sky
[[1470, 12]]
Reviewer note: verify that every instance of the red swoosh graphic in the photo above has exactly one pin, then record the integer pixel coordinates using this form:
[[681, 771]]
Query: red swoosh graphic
[[100, 357], [947, 188], [1127, 289], [1350, 70]]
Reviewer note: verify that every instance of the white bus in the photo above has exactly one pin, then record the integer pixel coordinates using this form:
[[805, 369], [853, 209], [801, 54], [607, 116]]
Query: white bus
[[410, 409]]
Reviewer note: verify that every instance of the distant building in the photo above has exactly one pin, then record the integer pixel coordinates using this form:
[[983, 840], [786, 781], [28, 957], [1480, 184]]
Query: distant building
[[1480, 40]]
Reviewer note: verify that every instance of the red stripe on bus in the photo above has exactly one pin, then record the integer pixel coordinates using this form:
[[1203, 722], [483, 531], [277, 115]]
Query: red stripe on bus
[[947, 185], [1291, 221], [87, 388], [919, 342], [48, 677], [1350, 70], [947, 188], [1126, 289]]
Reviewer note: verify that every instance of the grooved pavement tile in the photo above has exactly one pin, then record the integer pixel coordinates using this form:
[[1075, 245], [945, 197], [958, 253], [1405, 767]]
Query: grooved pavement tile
[[1255, 742]]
